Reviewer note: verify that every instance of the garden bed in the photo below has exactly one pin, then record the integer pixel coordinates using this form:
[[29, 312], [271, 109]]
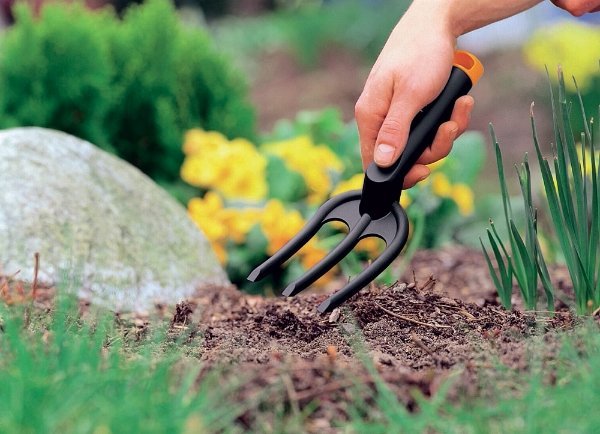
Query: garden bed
[[413, 336], [279, 361]]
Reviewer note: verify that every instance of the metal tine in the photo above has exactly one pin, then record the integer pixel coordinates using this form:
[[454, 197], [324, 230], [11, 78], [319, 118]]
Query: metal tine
[[332, 258], [373, 270], [296, 243]]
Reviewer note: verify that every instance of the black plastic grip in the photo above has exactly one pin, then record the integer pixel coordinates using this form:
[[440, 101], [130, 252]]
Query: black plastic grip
[[383, 186]]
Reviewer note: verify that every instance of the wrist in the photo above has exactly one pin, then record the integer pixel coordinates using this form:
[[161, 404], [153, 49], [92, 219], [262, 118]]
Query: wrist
[[434, 15]]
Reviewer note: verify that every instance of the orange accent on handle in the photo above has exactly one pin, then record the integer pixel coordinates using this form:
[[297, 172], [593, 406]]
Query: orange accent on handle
[[470, 64]]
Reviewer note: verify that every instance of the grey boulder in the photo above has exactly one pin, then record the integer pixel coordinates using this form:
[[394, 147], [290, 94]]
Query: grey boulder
[[101, 227]]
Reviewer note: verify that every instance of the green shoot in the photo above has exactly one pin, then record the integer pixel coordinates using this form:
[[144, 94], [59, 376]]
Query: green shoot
[[525, 262], [574, 199]]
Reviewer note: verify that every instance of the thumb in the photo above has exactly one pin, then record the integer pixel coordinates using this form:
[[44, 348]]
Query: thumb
[[393, 133]]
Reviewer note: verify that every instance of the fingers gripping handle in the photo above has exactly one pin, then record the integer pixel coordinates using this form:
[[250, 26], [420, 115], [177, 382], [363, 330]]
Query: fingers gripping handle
[[382, 186]]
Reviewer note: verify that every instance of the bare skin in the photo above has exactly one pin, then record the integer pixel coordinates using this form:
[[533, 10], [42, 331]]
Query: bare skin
[[412, 69]]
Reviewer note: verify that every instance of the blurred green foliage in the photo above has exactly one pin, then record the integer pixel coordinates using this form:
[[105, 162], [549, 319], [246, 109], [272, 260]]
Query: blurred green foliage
[[310, 26], [131, 87]]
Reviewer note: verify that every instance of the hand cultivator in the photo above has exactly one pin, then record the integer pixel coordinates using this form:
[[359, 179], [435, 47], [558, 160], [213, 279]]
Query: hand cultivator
[[375, 211]]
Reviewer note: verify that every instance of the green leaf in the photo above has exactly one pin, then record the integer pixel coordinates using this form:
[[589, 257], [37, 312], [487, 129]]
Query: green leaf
[[283, 183], [528, 283], [502, 280], [467, 159]]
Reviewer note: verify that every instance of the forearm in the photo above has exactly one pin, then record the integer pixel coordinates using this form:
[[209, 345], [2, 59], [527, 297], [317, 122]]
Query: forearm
[[462, 16]]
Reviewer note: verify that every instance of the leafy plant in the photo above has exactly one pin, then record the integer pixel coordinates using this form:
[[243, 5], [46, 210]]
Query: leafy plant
[[572, 193], [130, 86]]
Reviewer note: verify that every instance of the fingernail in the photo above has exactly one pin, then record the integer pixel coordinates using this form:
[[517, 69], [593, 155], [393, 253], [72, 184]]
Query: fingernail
[[384, 154], [423, 178], [453, 133]]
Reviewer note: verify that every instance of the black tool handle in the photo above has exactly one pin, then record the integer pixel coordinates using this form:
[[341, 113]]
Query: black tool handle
[[383, 186]]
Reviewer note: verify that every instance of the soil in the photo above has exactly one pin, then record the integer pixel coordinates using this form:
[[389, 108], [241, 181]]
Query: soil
[[414, 335], [441, 321]]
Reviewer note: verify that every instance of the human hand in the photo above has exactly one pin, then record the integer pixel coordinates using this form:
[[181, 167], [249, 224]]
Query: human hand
[[578, 7], [410, 72]]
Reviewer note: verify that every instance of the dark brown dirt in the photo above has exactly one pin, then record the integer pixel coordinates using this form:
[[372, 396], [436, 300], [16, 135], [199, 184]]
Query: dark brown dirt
[[413, 335]]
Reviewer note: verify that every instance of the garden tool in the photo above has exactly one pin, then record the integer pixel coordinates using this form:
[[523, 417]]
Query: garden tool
[[375, 211]]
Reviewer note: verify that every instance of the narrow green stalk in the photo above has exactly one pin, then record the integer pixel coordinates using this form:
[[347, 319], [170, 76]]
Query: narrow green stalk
[[502, 280], [525, 262], [574, 199]]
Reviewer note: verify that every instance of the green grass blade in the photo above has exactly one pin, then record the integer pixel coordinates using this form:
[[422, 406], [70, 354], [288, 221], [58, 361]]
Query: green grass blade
[[500, 243], [529, 283], [518, 266], [506, 272], [501, 177], [595, 218], [577, 178], [588, 131], [498, 279], [545, 278]]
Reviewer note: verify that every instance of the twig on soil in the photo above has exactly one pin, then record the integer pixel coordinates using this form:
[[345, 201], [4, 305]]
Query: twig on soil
[[422, 346], [414, 321], [431, 281], [461, 310], [36, 268]]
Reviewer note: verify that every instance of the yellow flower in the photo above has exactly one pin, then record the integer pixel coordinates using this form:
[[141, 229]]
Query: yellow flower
[[462, 195], [354, 183], [205, 212], [234, 168], [310, 255], [575, 46], [405, 199], [316, 164], [372, 246], [279, 225], [239, 222], [197, 140], [440, 185], [220, 252]]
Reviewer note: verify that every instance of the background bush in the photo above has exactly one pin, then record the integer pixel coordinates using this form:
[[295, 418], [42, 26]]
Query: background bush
[[131, 87]]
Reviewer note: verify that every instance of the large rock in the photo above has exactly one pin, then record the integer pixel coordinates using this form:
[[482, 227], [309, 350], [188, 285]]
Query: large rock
[[97, 222]]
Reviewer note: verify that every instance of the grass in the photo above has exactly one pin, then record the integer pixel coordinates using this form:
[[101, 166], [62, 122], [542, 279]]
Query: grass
[[61, 373]]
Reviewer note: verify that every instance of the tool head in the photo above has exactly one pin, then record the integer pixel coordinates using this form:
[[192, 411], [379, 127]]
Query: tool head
[[391, 228]]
